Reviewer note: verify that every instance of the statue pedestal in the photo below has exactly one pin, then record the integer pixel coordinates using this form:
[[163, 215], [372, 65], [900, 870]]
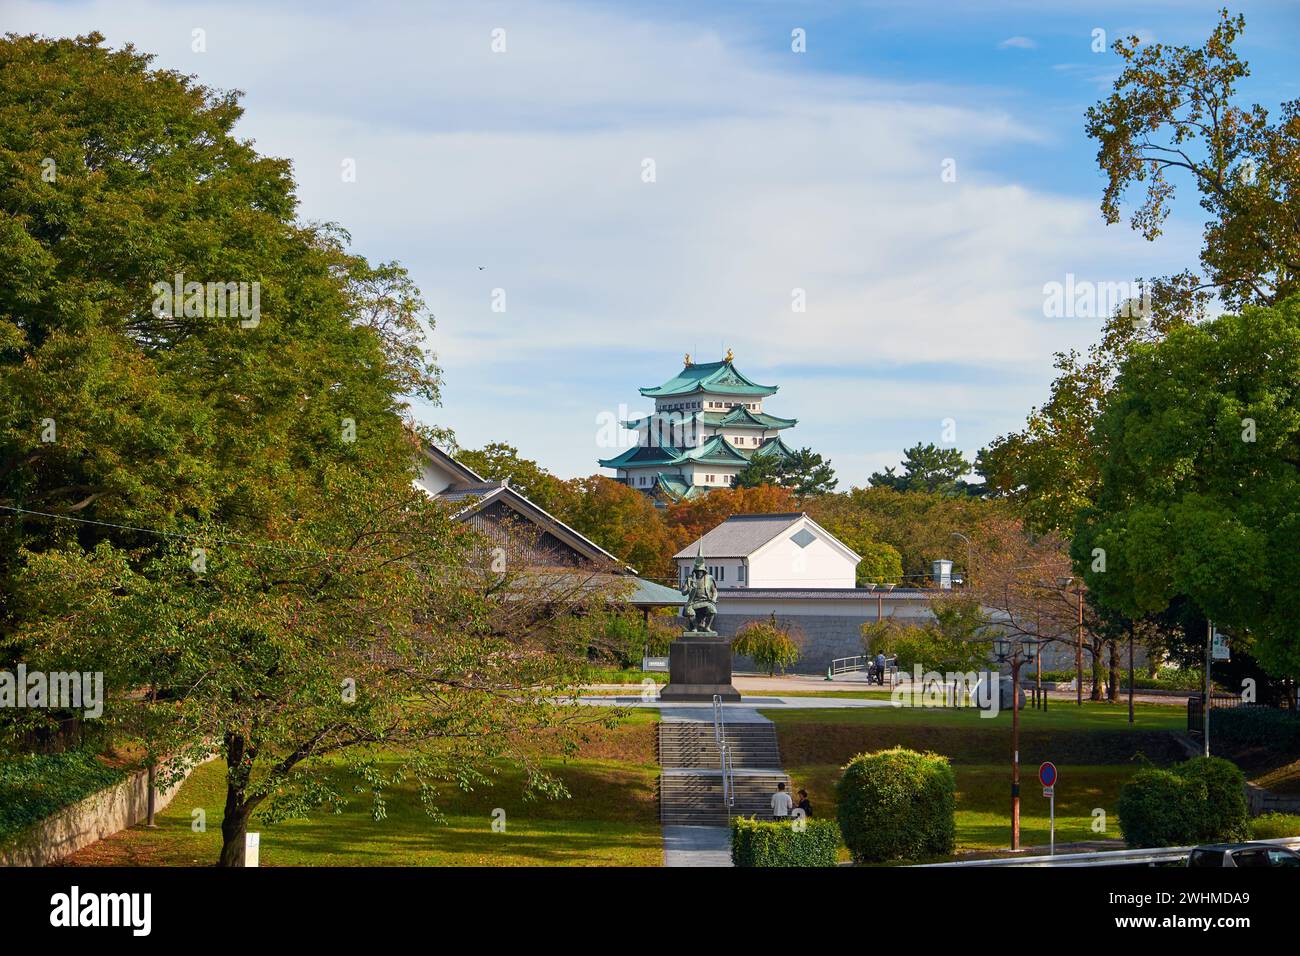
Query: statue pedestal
[[699, 667]]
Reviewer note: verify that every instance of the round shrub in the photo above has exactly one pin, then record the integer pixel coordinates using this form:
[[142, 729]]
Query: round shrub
[[897, 805], [774, 843], [1202, 800], [1224, 811], [1155, 807]]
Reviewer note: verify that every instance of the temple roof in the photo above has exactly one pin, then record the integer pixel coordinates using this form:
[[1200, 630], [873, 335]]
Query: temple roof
[[719, 378], [773, 446], [716, 451], [675, 487], [736, 418]]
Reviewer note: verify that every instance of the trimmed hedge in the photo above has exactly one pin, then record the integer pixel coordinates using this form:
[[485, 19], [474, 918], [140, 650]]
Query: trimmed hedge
[[769, 843], [34, 786], [1245, 728], [897, 804], [1202, 800]]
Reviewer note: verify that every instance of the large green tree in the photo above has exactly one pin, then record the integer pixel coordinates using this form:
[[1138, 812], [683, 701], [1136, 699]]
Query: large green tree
[[929, 468], [804, 472], [211, 503], [1199, 492]]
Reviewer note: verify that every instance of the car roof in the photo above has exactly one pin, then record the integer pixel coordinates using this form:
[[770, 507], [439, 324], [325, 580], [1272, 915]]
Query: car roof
[[1241, 846]]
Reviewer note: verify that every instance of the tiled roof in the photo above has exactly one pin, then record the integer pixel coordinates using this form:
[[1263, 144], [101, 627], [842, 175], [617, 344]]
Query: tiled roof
[[471, 489], [720, 378], [740, 535]]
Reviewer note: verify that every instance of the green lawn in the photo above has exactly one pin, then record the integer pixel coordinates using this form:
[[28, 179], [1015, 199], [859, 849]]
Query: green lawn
[[1093, 747], [611, 819], [1058, 716]]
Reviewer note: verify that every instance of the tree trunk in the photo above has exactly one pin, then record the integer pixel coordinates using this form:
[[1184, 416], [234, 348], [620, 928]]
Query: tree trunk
[[234, 830], [1096, 670], [234, 822], [1112, 692]]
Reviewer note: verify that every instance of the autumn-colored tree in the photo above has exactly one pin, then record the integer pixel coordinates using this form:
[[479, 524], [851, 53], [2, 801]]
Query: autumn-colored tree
[[626, 523], [919, 526], [698, 516], [1174, 111], [498, 460]]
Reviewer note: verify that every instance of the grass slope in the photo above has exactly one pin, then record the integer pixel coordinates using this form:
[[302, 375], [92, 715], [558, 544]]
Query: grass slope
[[611, 819]]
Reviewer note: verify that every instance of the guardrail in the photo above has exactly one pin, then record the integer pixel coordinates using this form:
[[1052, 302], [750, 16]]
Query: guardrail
[[1144, 857]]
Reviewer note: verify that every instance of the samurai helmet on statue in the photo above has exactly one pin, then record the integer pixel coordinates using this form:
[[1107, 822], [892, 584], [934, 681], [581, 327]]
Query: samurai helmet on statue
[[699, 562]]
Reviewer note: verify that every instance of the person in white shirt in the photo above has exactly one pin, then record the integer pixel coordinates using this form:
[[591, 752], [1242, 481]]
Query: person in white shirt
[[781, 802]]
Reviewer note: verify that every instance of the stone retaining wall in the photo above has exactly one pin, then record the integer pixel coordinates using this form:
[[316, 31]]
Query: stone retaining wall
[[100, 815]]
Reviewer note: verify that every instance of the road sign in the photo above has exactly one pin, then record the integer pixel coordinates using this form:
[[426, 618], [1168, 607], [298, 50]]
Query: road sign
[[1047, 774], [1049, 791]]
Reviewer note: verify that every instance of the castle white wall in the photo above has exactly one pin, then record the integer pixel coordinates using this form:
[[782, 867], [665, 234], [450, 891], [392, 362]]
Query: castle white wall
[[784, 564]]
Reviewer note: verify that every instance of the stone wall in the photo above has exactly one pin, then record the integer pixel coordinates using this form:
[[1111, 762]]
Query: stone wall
[[827, 636], [100, 815]]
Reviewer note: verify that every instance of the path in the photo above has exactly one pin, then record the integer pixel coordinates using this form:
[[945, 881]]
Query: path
[[693, 807]]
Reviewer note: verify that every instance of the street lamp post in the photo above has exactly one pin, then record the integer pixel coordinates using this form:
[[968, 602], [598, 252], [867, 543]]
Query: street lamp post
[[970, 569], [1016, 652]]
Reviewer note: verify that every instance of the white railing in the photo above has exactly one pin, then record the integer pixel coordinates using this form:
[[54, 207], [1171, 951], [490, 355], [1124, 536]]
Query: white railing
[[845, 665], [848, 665]]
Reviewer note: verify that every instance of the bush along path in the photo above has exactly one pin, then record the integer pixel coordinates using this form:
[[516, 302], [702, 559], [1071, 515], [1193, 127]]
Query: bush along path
[[692, 807]]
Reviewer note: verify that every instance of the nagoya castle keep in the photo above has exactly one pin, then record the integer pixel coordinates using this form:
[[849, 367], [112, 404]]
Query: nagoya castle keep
[[707, 425]]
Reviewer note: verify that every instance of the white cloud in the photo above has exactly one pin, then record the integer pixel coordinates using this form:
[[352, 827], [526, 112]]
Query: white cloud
[[770, 177], [1018, 43]]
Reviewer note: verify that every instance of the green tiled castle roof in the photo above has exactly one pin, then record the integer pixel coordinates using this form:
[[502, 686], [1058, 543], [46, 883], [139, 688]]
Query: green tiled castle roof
[[716, 451], [718, 378], [772, 447], [736, 418]]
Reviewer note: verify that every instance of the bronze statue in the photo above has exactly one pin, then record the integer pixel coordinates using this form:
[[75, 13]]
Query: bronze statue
[[701, 594]]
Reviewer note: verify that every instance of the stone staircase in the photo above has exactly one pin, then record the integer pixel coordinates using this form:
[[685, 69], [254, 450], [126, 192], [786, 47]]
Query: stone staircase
[[690, 785]]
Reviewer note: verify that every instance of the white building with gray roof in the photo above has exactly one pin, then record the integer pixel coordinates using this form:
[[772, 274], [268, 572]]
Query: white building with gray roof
[[772, 551]]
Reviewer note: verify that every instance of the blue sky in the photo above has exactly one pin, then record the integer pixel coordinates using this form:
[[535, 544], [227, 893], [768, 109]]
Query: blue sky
[[774, 171]]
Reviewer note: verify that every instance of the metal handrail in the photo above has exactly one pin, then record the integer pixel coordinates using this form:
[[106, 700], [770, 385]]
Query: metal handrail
[[724, 757], [728, 785]]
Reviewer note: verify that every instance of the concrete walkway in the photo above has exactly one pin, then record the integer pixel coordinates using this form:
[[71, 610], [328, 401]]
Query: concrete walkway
[[697, 846]]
